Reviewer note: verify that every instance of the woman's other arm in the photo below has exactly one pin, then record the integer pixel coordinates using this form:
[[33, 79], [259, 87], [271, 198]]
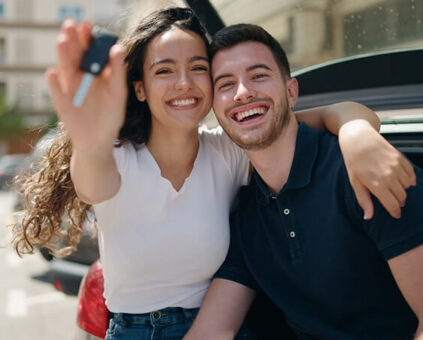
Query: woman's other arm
[[373, 165]]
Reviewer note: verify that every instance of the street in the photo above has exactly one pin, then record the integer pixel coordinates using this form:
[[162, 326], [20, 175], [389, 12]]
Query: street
[[30, 307]]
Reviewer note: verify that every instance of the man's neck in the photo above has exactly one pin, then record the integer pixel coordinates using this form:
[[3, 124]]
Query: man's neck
[[273, 163]]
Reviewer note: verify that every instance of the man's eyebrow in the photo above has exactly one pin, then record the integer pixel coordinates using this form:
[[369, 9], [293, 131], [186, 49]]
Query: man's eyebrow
[[249, 68], [198, 57], [255, 66], [172, 61]]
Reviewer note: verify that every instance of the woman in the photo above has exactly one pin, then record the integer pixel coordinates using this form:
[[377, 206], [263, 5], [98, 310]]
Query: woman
[[161, 192]]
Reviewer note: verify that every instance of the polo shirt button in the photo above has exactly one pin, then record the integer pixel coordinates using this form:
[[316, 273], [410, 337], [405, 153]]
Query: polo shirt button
[[286, 211], [292, 234]]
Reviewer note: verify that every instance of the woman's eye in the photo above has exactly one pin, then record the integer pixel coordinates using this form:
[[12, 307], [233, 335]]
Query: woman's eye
[[200, 68], [163, 71]]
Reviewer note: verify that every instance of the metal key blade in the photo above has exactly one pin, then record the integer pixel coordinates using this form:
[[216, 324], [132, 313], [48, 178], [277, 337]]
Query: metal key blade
[[83, 89]]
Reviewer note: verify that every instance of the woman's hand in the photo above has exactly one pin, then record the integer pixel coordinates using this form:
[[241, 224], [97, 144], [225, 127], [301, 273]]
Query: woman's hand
[[95, 124], [375, 165]]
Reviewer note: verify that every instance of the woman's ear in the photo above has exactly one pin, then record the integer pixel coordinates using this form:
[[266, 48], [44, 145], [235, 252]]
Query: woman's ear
[[139, 90]]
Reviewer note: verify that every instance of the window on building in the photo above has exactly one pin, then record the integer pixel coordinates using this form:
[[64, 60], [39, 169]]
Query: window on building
[[25, 95], [2, 50], [72, 12], [63, 13], [288, 43], [1, 10], [24, 9], [79, 13], [3, 92], [23, 50]]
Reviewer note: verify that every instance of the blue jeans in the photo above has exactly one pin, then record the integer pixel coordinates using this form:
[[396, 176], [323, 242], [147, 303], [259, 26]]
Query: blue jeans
[[166, 324]]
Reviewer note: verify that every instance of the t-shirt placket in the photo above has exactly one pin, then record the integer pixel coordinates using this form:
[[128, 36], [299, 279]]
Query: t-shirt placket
[[284, 208]]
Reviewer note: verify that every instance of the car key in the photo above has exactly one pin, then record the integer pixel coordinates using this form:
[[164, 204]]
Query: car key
[[94, 61]]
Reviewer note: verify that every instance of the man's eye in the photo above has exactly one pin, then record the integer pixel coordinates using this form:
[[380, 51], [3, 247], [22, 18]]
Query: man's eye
[[225, 85], [259, 76]]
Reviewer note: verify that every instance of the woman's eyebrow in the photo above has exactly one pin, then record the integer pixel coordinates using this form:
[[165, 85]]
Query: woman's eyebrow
[[162, 61], [172, 61], [198, 57]]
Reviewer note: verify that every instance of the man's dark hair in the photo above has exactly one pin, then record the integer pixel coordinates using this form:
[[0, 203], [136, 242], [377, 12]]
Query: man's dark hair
[[235, 34]]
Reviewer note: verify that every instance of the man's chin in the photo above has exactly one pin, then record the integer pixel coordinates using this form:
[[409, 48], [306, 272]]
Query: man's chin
[[253, 144]]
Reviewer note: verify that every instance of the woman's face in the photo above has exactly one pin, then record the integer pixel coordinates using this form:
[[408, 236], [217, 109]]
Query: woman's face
[[176, 84]]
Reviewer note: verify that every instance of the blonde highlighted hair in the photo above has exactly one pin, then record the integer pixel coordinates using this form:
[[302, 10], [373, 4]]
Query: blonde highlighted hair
[[50, 201]]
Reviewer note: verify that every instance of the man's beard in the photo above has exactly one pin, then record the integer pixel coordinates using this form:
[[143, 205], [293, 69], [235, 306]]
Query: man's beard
[[268, 137]]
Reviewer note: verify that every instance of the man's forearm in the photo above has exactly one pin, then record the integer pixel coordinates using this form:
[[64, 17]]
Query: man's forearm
[[223, 311]]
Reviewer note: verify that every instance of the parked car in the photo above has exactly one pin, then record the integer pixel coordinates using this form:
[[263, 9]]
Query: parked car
[[10, 166], [93, 316], [389, 82]]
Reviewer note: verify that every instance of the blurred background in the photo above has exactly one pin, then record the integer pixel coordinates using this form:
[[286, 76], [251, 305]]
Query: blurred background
[[311, 32]]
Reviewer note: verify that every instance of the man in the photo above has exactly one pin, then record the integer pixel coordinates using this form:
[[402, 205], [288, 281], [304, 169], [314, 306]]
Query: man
[[298, 233]]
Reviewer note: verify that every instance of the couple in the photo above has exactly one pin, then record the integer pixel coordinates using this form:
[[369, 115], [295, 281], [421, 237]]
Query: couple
[[161, 190]]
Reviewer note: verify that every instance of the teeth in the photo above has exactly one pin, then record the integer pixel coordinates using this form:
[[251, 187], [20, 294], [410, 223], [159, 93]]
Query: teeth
[[183, 102], [242, 115]]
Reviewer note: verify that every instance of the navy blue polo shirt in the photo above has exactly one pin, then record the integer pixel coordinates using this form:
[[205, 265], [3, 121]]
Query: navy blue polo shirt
[[309, 249]]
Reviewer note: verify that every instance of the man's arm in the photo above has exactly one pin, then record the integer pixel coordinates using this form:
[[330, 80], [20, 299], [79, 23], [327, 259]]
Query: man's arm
[[222, 312], [407, 270]]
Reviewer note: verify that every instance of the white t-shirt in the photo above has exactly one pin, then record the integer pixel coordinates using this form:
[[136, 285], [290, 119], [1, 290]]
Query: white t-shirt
[[159, 247]]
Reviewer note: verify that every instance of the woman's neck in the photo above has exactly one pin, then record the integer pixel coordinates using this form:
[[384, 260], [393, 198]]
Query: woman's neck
[[175, 153]]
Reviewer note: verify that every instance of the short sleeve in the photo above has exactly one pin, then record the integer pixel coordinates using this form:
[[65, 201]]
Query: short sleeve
[[234, 267], [121, 155], [392, 236], [234, 156]]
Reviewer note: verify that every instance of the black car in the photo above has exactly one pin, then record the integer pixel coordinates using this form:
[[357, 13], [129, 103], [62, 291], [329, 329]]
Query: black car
[[388, 80]]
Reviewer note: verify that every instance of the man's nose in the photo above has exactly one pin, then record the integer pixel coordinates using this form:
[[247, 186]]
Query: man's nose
[[243, 93]]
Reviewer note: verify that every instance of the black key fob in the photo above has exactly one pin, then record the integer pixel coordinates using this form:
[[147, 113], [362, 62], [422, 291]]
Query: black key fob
[[97, 54]]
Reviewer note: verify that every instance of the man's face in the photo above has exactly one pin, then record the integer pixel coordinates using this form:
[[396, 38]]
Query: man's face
[[251, 98]]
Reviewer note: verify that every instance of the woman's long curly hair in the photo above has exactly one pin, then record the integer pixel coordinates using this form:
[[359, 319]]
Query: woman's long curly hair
[[53, 214]]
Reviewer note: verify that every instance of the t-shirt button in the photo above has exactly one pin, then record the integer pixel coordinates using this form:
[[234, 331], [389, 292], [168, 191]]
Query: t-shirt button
[[292, 234], [286, 211]]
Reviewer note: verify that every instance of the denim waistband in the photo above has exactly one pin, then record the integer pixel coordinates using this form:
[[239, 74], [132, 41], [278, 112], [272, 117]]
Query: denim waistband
[[170, 315]]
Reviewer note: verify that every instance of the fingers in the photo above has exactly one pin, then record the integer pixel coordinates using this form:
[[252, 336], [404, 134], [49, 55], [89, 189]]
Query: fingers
[[55, 89], [117, 69], [409, 170], [390, 203], [398, 191], [403, 178], [70, 49], [84, 34], [364, 200]]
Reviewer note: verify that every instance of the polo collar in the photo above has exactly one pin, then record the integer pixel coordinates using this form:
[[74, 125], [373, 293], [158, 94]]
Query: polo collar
[[305, 154]]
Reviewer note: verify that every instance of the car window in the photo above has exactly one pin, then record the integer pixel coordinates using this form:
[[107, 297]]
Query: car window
[[313, 32]]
